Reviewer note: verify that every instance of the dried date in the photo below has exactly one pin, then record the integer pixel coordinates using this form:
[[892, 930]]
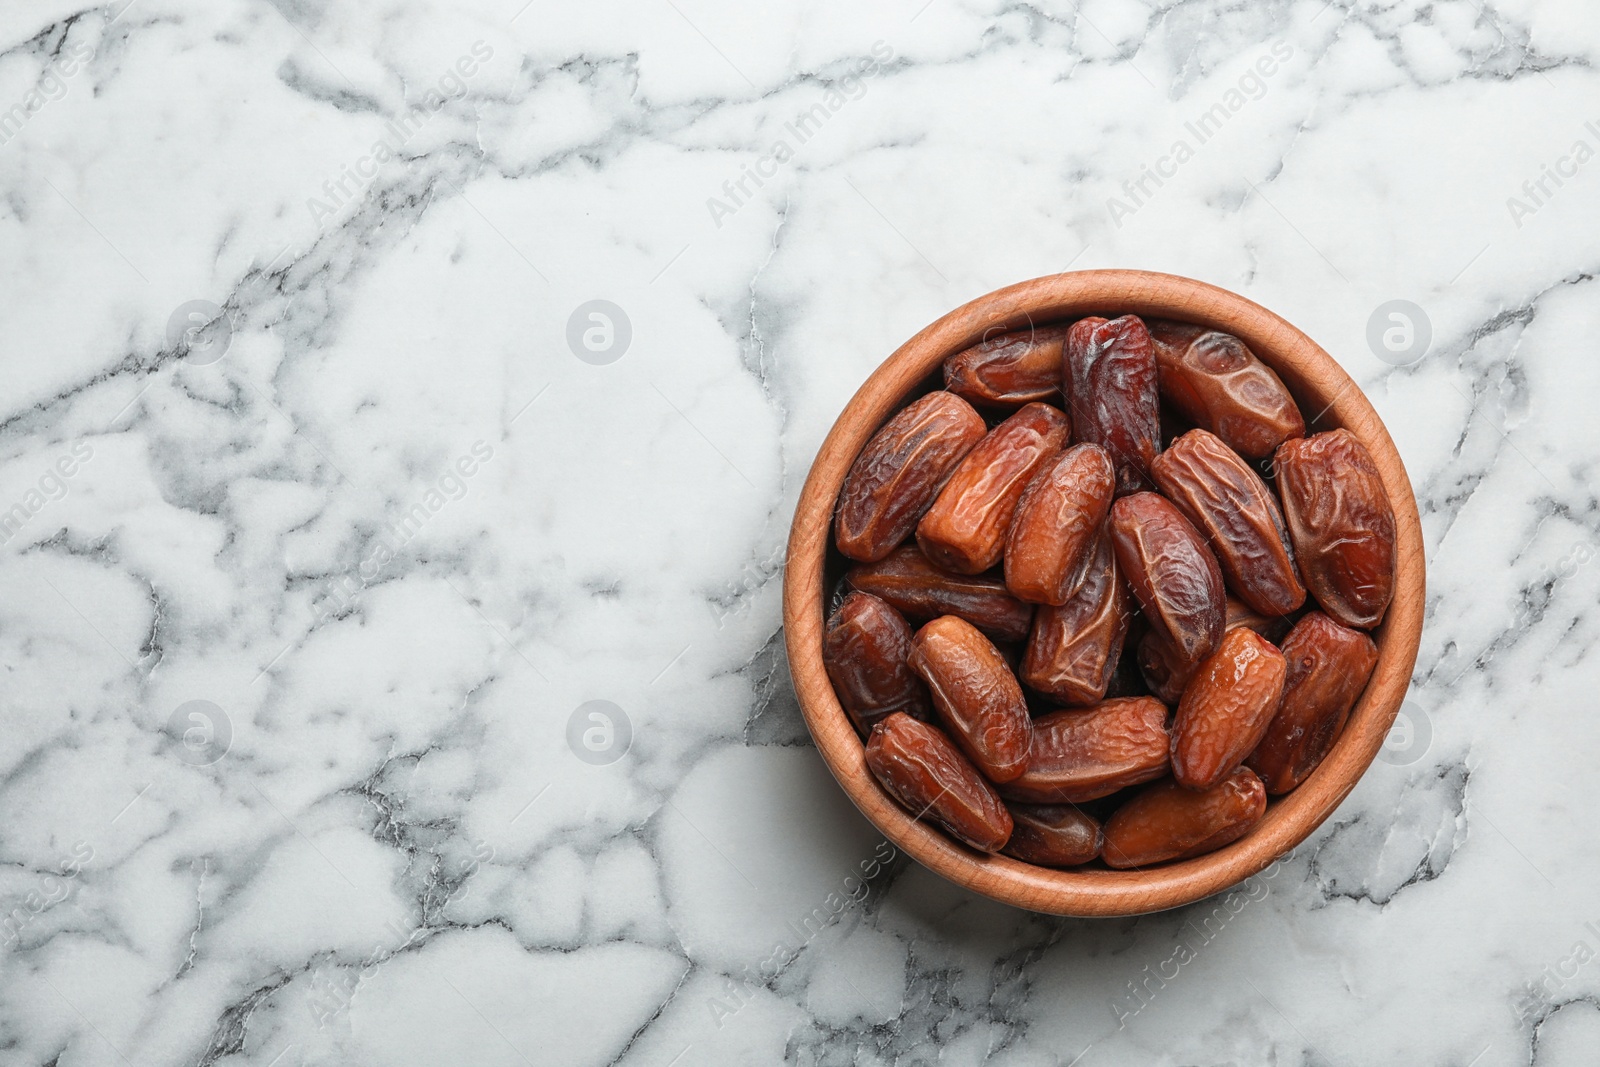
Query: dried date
[[1329, 666], [912, 585], [1057, 520], [965, 529], [1341, 524], [899, 473], [1008, 369], [1226, 708], [1217, 383], [918, 766], [1166, 821], [1073, 650], [1052, 835], [1108, 376], [1083, 753], [865, 649], [1237, 514], [1172, 573], [976, 695]]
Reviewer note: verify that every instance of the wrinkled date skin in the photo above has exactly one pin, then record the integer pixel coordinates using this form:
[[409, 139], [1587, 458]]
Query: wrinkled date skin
[[1165, 673], [918, 766], [1056, 523], [1172, 573], [1052, 835], [910, 584], [1084, 753], [1272, 627], [1073, 650], [1216, 383], [1226, 709], [976, 694], [965, 529], [900, 472], [1165, 821], [1341, 524], [1009, 369], [1108, 376], [1329, 666], [1237, 514], [865, 649]]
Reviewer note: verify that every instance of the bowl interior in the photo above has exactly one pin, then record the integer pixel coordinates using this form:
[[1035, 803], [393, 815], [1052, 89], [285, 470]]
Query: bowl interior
[[1327, 397]]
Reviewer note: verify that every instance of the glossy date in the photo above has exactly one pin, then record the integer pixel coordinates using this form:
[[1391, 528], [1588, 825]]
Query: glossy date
[[909, 583], [1108, 377], [1226, 708], [1172, 573], [1057, 520], [1166, 821], [1329, 666], [918, 766], [1052, 835], [1084, 753], [1217, 383], [1073, 650], [976, 695], [1341, 524], [965, 529], [1237, 514], [865, 649], [898, 474], [1009, 369]]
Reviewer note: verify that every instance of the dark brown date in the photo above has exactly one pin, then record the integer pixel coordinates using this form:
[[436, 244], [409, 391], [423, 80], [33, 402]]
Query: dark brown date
[[1341, 525], [1329, 666], [1165, 821], [976, 695], [1108, 376], [1009, 369], [900, 471], [918, 766], [865, 650], [1173, 574], [1073, 650], [1057, 520], [965, 529], [1083, 753], [1272, 627], [1218, 384], [1164, 671], [1226, 708], [1237, 514], [1052, 835], [910, 584]]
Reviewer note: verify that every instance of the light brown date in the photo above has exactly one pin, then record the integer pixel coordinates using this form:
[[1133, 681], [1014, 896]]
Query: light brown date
[[1226, 708], [1329, 666], [1172, 573], [1052, 835], [1217, 383], [909, 583], [1341, 524], [865, 649], [976, 695], [898, 474], [1073, 650], [918, 766], [965, 529], [1057, 520], [1009, 369], [1108, 376], [1083, 753], [1165, 821], [1237, 514]]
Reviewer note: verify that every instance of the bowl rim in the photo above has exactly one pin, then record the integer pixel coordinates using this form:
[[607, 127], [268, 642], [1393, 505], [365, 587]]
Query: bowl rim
[[1308, 371]]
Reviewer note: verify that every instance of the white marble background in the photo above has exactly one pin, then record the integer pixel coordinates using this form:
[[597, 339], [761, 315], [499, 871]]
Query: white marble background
[[371, 842]]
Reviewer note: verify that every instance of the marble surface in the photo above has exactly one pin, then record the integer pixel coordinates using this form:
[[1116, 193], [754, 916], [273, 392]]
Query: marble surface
[[329, 513]]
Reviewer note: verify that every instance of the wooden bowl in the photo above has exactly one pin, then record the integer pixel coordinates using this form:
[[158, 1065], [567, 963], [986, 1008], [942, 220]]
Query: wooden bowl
[[1326, 395]]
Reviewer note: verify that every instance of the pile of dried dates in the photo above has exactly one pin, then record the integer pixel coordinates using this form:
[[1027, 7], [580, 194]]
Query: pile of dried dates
[[1122, 648]]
